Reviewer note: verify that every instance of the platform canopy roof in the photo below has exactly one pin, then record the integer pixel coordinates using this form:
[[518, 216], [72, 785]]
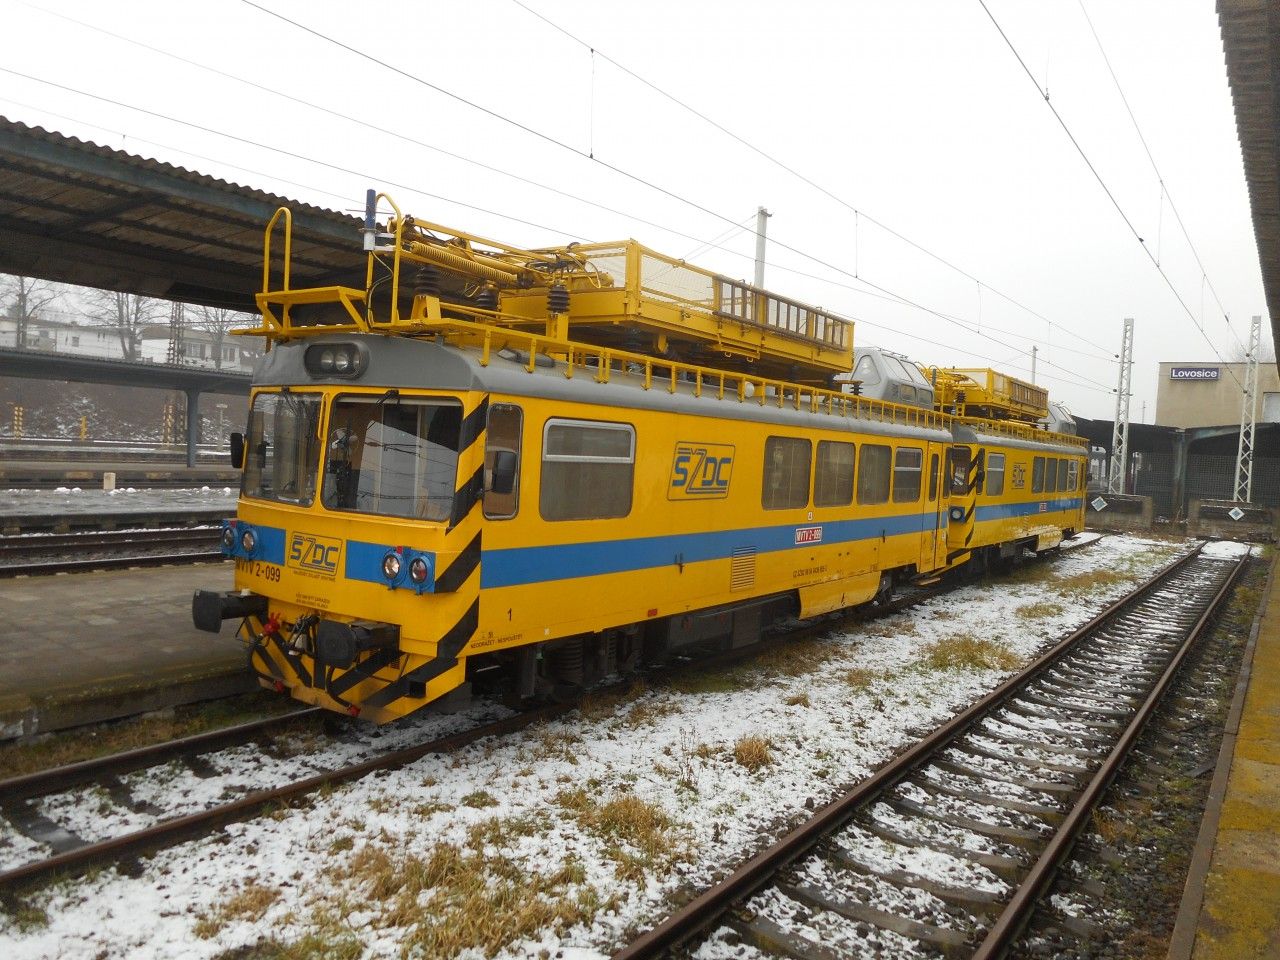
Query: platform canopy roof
[[76, 212], [1251, 40]]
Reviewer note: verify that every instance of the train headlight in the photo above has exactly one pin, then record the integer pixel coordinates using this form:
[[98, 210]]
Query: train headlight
[[418, 570], [248, 540], [391, 566], [228, 538], [347, 360]]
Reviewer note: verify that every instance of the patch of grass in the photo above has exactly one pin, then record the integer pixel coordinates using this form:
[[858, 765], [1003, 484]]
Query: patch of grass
[[250, 903], [967, 652], [331, 939], [597, 706], [709, 681], [479, 799], [753, 752], [791, 659], [1038, 611], [25, 916], [455, 898], [893, 627], [639, 836], [1091, 580], [342, 844], [646, 713], [860, 679], [800, 699], [85, 743]]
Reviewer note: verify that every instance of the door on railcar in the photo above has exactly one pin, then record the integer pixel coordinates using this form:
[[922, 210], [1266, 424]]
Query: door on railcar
[[933, 549], [960, 478]]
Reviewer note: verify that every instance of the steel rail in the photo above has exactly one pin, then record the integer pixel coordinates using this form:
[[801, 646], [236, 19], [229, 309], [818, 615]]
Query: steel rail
[[1019, 908], [99, 539], [758, 871], [168, 832], [109, 563], [55, 779]]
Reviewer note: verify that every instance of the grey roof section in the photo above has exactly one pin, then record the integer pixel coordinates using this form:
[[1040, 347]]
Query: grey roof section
[[76, 212], [1251, 41]]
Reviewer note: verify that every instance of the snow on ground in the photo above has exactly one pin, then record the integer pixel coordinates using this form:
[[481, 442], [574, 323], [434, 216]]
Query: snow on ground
[[593, 823], [1226, 549]]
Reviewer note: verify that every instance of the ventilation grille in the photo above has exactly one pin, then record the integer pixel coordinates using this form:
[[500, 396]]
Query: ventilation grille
[[742, 569]]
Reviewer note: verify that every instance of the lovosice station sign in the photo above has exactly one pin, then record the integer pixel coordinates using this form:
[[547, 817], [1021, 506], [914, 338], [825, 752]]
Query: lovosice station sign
[[1195, 373]]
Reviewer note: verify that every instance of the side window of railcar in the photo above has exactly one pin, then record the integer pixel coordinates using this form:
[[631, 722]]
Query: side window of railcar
[[1037, 475], [933, 478], [995, 474], [1063, 476], [907, 463], [502, 435], [588, 470], [873, 473], [1050, 475], [833, 477], [786, 473], [1073, 475]]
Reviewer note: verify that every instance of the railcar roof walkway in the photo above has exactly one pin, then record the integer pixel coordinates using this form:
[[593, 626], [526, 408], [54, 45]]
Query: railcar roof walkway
[[1231, 907]]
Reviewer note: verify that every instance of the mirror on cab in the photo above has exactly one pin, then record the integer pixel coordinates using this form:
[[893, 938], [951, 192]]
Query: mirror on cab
[[503, 477], [237, 450]]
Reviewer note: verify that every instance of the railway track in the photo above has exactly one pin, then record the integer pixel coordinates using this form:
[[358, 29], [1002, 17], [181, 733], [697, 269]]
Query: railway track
[[948, 849], [24, 801], [32, 555]]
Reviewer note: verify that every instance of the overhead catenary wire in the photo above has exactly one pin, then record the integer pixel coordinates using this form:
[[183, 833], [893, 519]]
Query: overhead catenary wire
[[1106, 189], [859, 213], [1165, 194], [547, 138], [715, 244]]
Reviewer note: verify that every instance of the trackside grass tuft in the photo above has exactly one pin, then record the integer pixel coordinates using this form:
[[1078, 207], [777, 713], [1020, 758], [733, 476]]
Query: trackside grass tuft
[[1040, 610], [753, 752], [967, 652], [249, 904]]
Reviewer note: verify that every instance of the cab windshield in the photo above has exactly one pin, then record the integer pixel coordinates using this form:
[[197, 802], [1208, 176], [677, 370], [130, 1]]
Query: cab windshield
[[393, 456], [283, 448]]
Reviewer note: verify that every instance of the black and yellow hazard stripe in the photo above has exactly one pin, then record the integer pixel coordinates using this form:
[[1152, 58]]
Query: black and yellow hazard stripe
[[457, 588]]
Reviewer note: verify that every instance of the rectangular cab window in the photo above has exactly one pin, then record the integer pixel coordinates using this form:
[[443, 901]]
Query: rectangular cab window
[[1073, 474], [873, 473], [282, 450], [907, 464], [392, 456], [1063, 476], [995, 474], [786, 473], [588, 470], [833, 478], [933, 478], [1050, 475], [1037, 475], [502, 448]]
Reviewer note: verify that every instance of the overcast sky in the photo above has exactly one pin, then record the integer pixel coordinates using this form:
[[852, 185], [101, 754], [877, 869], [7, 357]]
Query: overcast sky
[[915, 114]]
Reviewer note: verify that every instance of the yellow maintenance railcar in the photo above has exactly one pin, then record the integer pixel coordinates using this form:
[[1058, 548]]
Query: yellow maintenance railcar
[[566, 461]]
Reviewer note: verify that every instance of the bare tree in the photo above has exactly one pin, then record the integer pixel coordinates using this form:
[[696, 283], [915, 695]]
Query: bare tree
[[217, 321], [126, 314], [1238, 352], [26, 298]]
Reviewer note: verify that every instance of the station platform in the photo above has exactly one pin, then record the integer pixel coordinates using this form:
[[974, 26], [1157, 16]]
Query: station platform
[[1231, 904], [87, 647], [47, 474]]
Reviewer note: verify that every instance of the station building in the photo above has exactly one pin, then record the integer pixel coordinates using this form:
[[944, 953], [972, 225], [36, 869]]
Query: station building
[[1191, 394]]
